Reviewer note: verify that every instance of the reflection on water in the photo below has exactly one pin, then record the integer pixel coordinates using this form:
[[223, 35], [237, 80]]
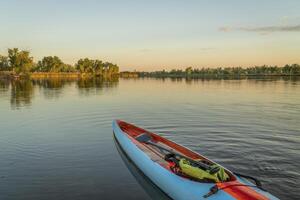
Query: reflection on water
[[266, 78], [152, 190], [54, 83], [52, 88], [61, 145], [3, 85], [96, 85], [22, 91]]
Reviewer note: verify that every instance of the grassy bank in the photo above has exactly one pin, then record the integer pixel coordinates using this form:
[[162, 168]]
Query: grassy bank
[[55, 75], [127, 74], [46, 75]]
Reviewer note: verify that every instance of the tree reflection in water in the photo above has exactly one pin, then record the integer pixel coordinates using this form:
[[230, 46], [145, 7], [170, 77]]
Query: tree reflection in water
[[4, 87], [52, 87], [22, 91], [96, 85]]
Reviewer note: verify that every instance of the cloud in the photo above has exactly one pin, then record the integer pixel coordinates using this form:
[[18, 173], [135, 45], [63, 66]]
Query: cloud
[[224, 29], [272, 29], [263, 29]]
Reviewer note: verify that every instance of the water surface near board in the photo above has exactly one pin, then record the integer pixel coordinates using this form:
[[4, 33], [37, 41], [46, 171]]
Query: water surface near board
[[56, 138]]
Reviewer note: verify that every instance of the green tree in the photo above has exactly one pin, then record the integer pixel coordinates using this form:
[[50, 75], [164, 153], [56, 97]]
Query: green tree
[[85, 65], [295, 68], [4, 64], [50, 64], [189, 71], [112, 69], [98, 67], [20, 61], [67, 68]]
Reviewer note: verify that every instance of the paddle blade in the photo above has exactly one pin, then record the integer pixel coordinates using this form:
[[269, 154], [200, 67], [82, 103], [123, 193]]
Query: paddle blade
[[143, 137]]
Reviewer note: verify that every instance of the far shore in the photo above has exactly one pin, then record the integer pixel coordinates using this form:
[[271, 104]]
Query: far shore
[[77, 75], [41, 75]]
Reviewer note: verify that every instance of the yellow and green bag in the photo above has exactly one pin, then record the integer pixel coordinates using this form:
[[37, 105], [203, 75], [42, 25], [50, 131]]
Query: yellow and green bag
[[201, 174]]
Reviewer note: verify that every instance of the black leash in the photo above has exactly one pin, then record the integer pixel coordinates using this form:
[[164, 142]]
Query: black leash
[[215, 188]]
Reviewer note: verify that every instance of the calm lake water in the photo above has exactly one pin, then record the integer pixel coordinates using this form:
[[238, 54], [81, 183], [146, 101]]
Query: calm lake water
[[56, 139]]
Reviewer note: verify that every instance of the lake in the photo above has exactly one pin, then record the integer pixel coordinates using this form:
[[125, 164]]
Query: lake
[[56, 139]]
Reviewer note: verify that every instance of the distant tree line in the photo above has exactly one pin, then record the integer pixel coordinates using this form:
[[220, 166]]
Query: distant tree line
[[128, 74], [264, 70], [20, 62]]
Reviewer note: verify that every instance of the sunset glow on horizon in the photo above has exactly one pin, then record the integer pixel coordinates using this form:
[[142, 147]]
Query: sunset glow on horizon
[[155, 35]]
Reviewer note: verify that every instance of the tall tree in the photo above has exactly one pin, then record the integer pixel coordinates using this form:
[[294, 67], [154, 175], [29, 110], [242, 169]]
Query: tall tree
[[20, 61], [189, 71], [50, 64], [98, 67], [4, 64], [85, 65]]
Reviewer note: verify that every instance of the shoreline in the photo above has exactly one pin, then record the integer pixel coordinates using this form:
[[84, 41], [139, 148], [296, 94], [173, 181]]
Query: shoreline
[[78, 75], [46, 75], [218, 76]]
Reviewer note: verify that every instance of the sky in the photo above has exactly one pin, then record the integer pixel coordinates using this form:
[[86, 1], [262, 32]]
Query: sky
[[157, 34]]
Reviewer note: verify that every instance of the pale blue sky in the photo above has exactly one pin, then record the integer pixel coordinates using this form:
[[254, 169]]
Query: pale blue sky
[[148, 35]]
